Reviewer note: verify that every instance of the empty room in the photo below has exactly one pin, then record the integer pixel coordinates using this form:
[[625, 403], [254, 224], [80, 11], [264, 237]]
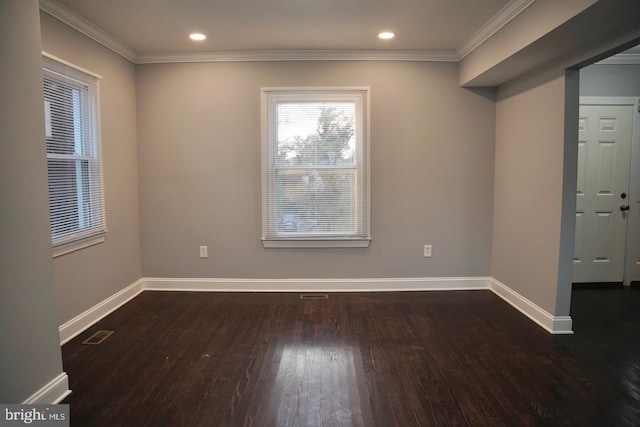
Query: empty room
[[225, 213]]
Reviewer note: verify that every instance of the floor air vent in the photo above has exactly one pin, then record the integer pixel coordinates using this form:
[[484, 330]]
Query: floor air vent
[[98, 337], [314, 296]]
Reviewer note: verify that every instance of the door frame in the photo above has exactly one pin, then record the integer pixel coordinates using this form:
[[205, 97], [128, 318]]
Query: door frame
[[633, 221]]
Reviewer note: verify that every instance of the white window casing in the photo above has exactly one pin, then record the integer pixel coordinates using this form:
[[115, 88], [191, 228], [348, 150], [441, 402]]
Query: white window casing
[[315, 167], [74, 160]]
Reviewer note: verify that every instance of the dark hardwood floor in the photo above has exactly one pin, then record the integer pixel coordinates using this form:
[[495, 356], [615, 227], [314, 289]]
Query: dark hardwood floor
[[463, 358]]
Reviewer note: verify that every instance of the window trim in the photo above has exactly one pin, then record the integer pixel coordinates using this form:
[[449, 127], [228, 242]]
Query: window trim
[[270, 96], [93, 236], [352, 242], [77, 244]]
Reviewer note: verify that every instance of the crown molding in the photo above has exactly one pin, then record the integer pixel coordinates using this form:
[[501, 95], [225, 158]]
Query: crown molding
[[299, 55], [492, 26], [87, 28], [621, 59]]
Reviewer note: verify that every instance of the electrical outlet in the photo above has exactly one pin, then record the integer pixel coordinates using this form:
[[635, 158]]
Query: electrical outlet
[[204, 252], [427, 251]]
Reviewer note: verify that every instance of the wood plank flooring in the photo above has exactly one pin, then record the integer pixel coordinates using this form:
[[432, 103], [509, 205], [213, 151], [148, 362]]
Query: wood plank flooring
[[463, 358]]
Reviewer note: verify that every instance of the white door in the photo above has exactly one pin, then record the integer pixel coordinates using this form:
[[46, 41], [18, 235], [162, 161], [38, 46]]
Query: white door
[[604, 152]]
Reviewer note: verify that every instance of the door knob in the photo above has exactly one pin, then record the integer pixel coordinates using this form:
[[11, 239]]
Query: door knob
[[623, 196], [624, 208]]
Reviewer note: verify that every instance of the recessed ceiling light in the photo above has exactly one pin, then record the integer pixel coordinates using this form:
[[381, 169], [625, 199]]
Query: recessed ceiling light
[[386, 35], [197, 36]]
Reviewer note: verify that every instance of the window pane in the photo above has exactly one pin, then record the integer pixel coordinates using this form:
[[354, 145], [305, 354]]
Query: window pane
[[63, 111], [315, 167], [69, 196], [316, 133], [71, 107], [311, 201]]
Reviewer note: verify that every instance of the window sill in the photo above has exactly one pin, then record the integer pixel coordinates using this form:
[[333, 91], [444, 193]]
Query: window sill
[[316, 243], [76, 245]]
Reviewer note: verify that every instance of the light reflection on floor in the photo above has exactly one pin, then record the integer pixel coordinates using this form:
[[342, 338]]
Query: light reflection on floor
[[316, 385]]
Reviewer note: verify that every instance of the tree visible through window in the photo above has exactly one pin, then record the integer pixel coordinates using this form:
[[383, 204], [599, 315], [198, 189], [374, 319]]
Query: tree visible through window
[[316, 179]]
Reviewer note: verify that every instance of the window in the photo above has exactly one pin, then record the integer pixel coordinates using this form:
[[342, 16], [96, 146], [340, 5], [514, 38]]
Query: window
[[315, 167], [76, 206]]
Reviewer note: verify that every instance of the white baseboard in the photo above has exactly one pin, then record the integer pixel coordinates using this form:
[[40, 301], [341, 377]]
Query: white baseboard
[[553, 324], [54, 392], [317, 285], [84, 320]]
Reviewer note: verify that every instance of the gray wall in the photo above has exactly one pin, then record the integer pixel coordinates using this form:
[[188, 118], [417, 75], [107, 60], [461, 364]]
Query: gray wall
[[199, 150], [28, 322], [610, 80], [528, 195], [536, 164], [87, 277]]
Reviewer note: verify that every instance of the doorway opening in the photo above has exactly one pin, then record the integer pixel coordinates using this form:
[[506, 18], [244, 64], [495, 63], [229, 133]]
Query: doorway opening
[[607, 234]]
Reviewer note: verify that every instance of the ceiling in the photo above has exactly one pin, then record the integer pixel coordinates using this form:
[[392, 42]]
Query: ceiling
[[163, 26]]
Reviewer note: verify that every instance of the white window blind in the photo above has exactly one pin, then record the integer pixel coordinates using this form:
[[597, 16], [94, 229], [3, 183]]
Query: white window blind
[[315, 168], [71, 105]]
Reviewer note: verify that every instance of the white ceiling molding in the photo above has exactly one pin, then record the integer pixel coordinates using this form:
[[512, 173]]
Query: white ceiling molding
[[621, 59], [87, 28], [492, 26], [300, 55]]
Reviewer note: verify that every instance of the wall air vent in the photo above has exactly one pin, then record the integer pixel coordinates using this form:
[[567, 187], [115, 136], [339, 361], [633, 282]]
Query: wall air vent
[[314, 296]]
